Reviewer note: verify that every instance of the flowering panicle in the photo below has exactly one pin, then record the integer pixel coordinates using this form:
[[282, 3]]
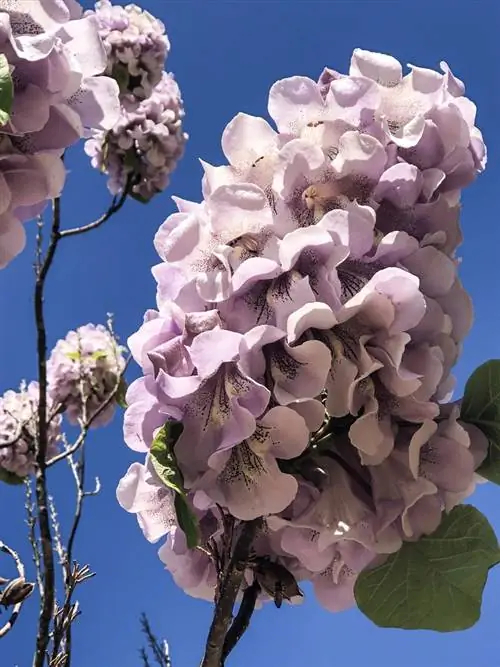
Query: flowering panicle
[[83, 371], [136, 46], [142, 149], [55, 57], [84, 380], [18, 429], [309, 314]]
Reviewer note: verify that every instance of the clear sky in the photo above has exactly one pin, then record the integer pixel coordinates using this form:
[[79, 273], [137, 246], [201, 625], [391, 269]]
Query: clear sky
[[225, 56]]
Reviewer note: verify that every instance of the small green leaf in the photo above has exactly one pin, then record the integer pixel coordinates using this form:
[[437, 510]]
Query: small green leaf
[[165, 465], [75, 356], [10, 478], [99, 354], [481, 407], [187, 521], [6, 90], [121, 393], [435, 583]]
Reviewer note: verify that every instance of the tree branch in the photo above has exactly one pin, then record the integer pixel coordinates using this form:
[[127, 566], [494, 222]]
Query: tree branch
[[47, 602], [242, 620], [227, 593], [115, 206]]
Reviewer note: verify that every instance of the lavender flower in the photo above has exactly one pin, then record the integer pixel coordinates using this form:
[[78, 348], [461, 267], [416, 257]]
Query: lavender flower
[[146, 143], [19, 425], [136, 46], [55, 58], [309, 315], [83, 371]]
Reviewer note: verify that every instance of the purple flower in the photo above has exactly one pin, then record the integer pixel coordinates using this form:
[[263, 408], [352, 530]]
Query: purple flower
[[83, 370], [19, 426], [191, 569], [136, 45], [146, 142], [140, 492], [219, 405], [246, 478], [309, 318], [55, 58]]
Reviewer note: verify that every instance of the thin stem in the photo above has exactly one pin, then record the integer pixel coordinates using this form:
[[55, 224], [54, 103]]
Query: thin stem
[[32, 537], [242, 619], [47, 602], [229, 588], [58, 545], [78, 470], [114, 207], [7, 627]]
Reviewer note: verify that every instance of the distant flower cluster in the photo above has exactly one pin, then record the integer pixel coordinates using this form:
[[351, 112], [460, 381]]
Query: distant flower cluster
[[309, 315], [52, 94], [18, 429], [143, 148], [83, 372]]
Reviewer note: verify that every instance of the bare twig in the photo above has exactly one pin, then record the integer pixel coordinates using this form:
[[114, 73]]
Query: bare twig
[[88, 422], [17, 607], [115, 206], [48, 596], [73, 574], [226, 597], [35, 547], [54, 519], [145, 659], [160, 652]]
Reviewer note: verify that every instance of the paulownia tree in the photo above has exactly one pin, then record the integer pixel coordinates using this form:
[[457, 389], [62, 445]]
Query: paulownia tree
[[293, 415]]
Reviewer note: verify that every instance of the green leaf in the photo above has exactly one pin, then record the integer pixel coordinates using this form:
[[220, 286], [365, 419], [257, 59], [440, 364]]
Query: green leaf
[[99, 354], [435, 583], [121, 393], [165, 465], [6, 90], [10, 478], [481, 407], [75, 356]]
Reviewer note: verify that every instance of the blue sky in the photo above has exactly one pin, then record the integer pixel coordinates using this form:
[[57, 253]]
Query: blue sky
[[225, 56]]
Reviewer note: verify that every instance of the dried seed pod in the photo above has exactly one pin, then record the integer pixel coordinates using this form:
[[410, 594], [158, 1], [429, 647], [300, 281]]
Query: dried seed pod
[[15, 592]]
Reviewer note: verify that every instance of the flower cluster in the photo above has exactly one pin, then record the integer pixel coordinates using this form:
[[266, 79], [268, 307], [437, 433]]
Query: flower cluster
[[18, 428], [54, 57], [309, 314], [136, 46], [143, 148], [83, 371]]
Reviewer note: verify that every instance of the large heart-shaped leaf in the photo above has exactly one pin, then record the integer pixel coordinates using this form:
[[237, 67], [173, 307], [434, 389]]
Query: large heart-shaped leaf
[[165, 464], [481, 407], [435, 583], [6, 90]]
